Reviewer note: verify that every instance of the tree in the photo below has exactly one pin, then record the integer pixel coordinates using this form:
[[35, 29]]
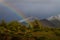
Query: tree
[[4, 24]]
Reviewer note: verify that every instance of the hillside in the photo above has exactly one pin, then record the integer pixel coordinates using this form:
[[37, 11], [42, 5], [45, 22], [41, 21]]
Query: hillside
[[35, 31]]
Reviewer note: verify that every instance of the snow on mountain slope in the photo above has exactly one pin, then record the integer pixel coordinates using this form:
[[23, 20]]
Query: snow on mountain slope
[[54, 17]]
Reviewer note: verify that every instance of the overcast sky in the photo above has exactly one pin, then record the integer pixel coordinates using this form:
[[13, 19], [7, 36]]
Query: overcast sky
[[39, 8]]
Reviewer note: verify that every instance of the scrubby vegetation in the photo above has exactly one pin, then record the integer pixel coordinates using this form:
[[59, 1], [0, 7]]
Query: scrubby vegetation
[[35, 31]]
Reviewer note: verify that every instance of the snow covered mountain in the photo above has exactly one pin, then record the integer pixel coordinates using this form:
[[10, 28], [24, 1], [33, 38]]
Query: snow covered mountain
[[54, 17], [55, 20]]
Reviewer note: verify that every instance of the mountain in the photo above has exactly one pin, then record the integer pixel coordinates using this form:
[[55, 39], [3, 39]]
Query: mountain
[[46, 22], [55, 20]]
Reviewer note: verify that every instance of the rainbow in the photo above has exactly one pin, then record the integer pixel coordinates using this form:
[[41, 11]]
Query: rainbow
[[18, 12], [14, 9]]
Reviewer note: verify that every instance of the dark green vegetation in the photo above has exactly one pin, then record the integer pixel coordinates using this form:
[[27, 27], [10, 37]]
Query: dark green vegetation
[[35, 31]]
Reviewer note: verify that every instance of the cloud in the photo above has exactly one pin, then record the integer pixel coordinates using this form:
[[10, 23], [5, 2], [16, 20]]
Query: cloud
[[1, 1], [37, 7]]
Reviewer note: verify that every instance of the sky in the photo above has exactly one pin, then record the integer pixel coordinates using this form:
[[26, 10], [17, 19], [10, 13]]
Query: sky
[[36, 8]]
